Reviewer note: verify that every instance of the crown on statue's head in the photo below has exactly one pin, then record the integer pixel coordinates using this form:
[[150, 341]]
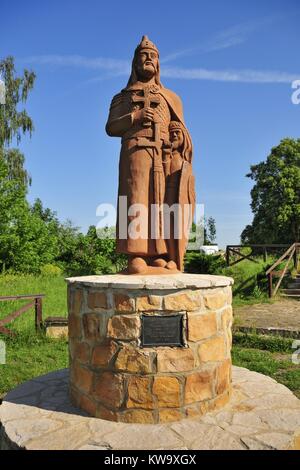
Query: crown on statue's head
[[175, 125], [146, 44]]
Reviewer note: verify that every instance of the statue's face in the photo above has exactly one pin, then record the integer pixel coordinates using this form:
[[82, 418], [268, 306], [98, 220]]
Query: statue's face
[[176, 137], [147, 63]]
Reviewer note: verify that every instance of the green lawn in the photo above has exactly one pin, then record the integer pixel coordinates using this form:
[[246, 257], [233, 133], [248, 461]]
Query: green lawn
[[30, 355], [54, 303]]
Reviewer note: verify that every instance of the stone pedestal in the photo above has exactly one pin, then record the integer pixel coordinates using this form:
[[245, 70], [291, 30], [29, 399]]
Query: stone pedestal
[[116, 376]]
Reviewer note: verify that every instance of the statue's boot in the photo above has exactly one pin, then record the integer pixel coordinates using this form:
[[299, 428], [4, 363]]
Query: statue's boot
[[160, 263], [171, 265], [137, 265]]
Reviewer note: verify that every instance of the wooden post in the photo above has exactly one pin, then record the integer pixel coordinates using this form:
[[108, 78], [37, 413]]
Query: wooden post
[[227, 255], [295, 258], [38, 313], [265, 254], [270, 281]]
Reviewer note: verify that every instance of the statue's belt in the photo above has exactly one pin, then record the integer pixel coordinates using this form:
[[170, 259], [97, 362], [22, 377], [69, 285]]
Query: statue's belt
[[145, 133]]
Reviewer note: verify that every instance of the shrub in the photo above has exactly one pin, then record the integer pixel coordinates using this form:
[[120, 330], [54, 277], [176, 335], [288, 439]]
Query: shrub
[[201, 263], [51, 270]]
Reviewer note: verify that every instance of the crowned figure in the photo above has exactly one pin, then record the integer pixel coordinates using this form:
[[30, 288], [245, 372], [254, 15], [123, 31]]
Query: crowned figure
[[141, 115]]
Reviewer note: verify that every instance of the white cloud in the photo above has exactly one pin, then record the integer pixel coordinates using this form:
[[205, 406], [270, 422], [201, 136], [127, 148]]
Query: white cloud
[[115, 67], [245, 76], [229, 37], [98, 63]]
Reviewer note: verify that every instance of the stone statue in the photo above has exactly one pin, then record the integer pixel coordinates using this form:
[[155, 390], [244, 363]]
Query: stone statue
[[154, 172]]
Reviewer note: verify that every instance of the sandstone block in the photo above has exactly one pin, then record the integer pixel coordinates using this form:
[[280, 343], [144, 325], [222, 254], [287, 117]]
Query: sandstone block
[[91, 326], [215, 301], [124, 327], [103, 354], [212, 349], [88, 405], [228, 290], [75, 300], [188, 300], [131, 359], [105, 413], [198, 386], [109, 389], [175, 360], [192, 411], [139, 394], [169, 415], [201, 326], [148, 302], [227, 317], [167, 391], [219, 402], [57, 331], [123, 303], [81, 377], [223, 374], [82, 352], [74, 326], [137, 416], [97, 300]]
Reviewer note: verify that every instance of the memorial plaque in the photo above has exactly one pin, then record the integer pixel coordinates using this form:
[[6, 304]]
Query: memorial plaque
[[162, 330]]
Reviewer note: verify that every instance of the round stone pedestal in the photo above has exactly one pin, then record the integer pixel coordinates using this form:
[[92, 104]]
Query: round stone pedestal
[[116, 374], [262, 414]]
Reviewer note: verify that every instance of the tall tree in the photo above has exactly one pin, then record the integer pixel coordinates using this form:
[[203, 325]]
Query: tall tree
[[14, 121], [276, 196]]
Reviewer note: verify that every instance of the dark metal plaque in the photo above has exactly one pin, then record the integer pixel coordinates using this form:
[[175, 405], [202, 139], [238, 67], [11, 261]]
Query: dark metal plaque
[[162, 330]]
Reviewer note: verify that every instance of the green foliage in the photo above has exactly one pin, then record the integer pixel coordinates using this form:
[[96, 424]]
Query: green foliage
[[210, 231], [14, 122], [197, 262], [30, 356], [276, 196], [88, 254], [264, 342], [278, 366], [250, 281], [50, 270], [54, 302]]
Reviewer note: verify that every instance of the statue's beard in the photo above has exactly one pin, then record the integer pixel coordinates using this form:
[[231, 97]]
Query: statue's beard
[[146, 72]]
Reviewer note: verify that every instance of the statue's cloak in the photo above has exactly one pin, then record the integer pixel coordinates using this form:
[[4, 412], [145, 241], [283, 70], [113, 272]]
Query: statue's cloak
[[136, 166]]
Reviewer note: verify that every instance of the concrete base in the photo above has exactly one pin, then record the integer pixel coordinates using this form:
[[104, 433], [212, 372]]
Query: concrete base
[[262, 414]]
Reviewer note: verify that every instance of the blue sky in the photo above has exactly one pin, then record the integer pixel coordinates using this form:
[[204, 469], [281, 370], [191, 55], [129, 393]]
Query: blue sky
[[231, 62]]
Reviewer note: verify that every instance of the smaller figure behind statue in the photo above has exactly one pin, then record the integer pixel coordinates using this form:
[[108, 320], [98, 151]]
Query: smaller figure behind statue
[[180, 192]]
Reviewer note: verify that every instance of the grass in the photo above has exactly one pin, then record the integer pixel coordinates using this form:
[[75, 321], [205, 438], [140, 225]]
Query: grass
[[269, 355], [279, 368], [29, 355], [54, 303], [250, 282]]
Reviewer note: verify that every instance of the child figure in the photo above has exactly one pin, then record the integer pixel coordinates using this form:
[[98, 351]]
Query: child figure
[[180, 192]]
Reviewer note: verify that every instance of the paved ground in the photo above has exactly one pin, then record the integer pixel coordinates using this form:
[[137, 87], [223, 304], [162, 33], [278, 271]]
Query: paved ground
[[283, 314], [262, 414]]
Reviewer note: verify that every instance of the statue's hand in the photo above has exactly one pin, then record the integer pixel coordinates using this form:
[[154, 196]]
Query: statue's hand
[[143, 115]]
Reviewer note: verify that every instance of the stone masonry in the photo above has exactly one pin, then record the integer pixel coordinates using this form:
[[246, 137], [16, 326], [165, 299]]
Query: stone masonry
[[112, 377]]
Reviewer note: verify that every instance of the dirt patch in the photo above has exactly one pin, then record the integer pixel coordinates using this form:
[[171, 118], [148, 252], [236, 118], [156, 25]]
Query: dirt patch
[[283, 314]]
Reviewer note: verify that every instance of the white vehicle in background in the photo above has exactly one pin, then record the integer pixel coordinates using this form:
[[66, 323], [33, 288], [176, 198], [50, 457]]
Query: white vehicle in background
[[209, 249]]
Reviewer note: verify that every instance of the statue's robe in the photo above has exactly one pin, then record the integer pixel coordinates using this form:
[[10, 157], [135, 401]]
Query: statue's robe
[[136, 176], [180, 194]]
